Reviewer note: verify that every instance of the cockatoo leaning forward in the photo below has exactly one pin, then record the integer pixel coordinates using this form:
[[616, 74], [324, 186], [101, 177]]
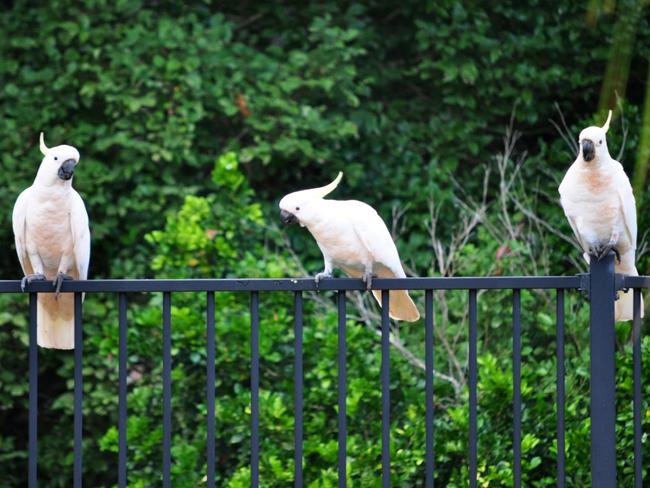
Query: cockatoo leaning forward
[[352, 237]]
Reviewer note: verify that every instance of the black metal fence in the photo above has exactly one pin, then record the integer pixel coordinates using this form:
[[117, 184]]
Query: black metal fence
[[601, 284]]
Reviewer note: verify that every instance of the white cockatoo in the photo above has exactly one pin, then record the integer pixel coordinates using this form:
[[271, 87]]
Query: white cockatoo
[[53, 241], [597, 199], [352, 237]]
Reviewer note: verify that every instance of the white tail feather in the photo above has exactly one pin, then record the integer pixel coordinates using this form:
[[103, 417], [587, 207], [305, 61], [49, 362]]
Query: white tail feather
[[55, 321], [624, 306], [401, 305]]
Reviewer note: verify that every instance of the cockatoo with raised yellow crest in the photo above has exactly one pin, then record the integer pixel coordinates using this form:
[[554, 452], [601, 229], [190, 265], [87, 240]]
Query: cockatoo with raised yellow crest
[[597, 199], [53, 241], [352, 237]]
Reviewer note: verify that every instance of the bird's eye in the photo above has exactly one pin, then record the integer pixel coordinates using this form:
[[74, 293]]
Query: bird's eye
[[55, 158], [600, 142], [297, 208]]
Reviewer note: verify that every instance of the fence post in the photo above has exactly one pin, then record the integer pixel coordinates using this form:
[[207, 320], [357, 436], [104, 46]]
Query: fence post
[[603, 367]]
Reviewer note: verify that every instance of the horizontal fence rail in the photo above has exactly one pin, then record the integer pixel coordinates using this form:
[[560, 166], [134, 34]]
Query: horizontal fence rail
[[600, 284], [305, 284]]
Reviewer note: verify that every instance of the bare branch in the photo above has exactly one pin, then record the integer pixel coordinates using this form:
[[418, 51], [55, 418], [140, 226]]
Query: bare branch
[[417, 362], [397, 224], [370, 318], [532, 216], [565, 132]]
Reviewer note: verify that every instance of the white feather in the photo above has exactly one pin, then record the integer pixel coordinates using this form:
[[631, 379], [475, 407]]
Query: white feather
[[18, 222], [628, 203], [80, 234], [354, 238], [599, 204], [51, 232]]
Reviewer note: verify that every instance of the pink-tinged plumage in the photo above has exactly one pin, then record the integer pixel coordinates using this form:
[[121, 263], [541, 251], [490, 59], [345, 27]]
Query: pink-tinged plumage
[[51, 232], [352, 237], [598, 202]]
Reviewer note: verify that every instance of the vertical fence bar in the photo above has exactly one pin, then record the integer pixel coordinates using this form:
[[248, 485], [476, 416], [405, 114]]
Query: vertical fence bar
[[342, 366], [428, 371], [298, 392], [638, 453], [167, 389], [559, 380], [385, 389], [78, 392], [473, 383], [33, 394], [210, 389], [255, 390], [516, 385], [121, 462], [603, 385]]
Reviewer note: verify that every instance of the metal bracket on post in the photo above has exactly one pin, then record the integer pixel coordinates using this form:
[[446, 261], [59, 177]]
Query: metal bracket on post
[[602, 292], [619, 284], [584, 283]]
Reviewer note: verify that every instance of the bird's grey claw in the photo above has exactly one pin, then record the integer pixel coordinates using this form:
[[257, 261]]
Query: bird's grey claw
[[602, 251], [320, 276], [367, 279], [27, 279], [58, 281]]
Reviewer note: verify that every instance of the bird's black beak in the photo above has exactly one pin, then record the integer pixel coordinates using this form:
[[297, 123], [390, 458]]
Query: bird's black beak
[[287, 217], [67, 169], [588, 150]]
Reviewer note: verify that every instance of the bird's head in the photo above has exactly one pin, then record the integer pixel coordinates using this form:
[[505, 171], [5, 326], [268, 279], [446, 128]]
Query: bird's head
[[299, 206], [58, 163], [593, 142]]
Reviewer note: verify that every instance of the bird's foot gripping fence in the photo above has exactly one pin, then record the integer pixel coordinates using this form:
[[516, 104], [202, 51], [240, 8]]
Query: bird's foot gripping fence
[[600, 284]]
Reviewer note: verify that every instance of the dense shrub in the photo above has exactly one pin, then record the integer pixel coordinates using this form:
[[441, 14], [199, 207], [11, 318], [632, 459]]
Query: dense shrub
[[193, 120]]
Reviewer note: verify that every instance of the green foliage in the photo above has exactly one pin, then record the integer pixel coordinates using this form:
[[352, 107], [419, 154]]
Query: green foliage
[[193, 120], [203, 238]]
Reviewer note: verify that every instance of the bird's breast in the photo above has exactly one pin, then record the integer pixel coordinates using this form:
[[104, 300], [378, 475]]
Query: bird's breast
[[340, 243], [592, 200], [48, 230]]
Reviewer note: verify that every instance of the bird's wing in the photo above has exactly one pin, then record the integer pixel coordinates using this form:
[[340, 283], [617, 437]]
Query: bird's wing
[[628, 204], [80, 235], [375, 237], [567, 181], [18, 219], [574, 228], [565, 201]]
